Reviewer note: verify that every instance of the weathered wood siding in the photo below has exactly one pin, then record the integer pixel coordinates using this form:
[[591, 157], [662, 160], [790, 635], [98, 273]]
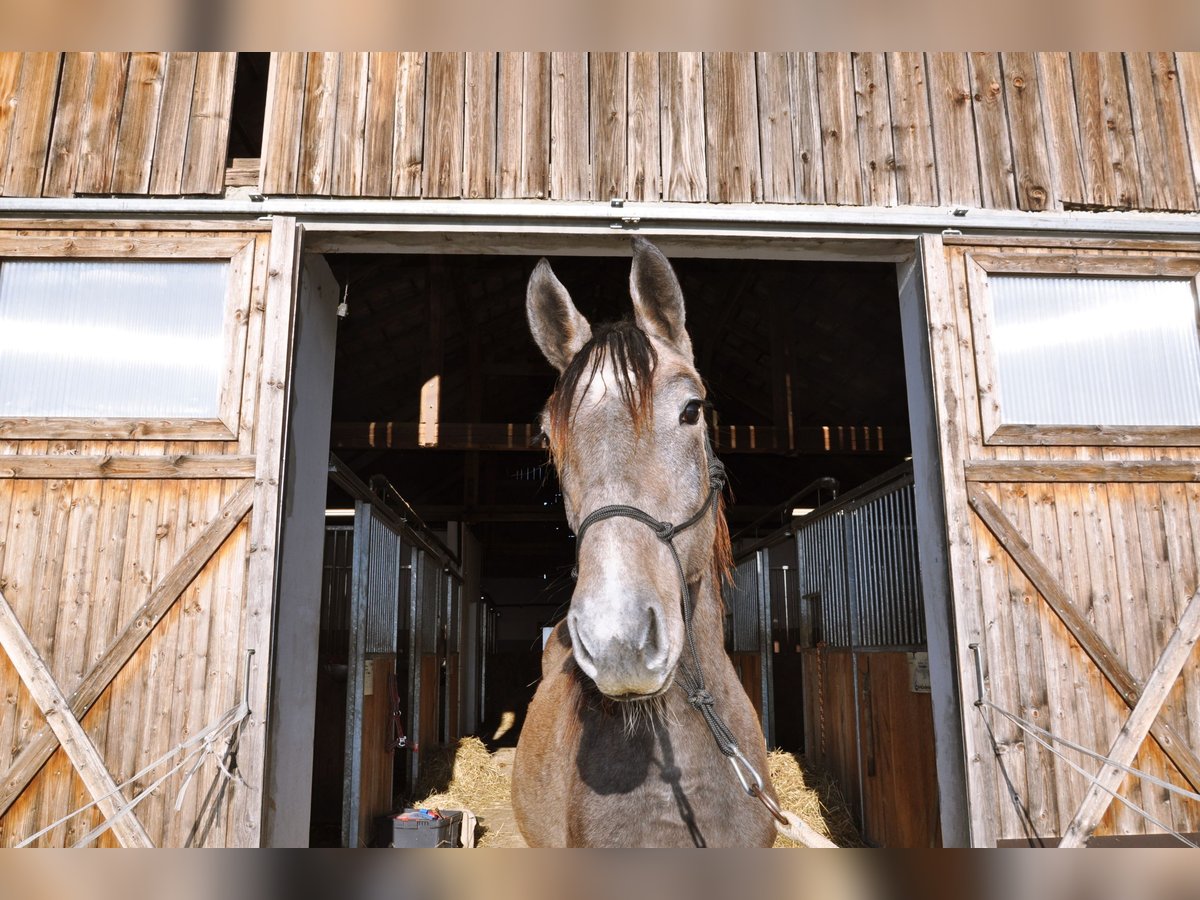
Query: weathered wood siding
[[1029, 131], [78, 124], [91, 531], [1108, 532]]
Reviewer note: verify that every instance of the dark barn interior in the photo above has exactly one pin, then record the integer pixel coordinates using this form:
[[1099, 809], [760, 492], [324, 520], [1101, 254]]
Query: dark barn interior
[[804, 366]]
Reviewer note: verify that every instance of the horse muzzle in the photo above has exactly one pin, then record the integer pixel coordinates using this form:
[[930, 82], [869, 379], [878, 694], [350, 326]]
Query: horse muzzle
[[630, 654]]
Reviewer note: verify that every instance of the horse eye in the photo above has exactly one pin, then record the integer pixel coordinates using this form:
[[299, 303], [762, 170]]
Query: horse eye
[[691, 412]]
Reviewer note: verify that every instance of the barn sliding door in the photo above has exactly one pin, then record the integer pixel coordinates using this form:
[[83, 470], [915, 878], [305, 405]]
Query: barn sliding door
[[1067, 383]]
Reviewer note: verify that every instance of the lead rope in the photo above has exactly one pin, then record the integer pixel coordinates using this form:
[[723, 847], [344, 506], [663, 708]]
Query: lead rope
[[691, 679]]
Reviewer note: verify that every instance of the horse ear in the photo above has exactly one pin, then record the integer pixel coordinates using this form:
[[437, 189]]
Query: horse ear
[[558, 328], [657, 297]]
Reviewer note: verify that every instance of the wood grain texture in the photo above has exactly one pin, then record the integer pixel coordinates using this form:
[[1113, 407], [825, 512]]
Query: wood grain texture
[[731, 149], [1081, 471], [953, 121], [570, 168], [65, 148], [1187, 68], [1156, 107], [139, 123], [479, 127], [121, 466], [442, 176], [10, 82], [775, 119], [380, 125], [682, 98], [31, 124], [408, 153], [1056, 83], [608, 117], [810, 167], [99, 124], [644, 165], [350, 131], [314, 168], [839, 140], [1030, 152], [208, 124], [283, 124], [170, 141], [876, 151], [992, 139], [1109, 156], [912, 133]]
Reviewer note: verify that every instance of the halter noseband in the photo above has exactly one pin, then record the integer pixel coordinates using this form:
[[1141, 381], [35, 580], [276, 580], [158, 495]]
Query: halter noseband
[[691, 681]]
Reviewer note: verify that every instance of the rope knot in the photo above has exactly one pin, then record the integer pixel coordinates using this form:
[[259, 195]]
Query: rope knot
[[701, 698], [664, 530]]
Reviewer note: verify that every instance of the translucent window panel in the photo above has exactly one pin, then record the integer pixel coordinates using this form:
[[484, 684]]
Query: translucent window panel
[[1077, 350], [108, 338]]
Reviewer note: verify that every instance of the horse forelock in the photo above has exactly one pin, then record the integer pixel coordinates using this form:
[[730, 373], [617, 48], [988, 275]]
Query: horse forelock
[[632, 360]]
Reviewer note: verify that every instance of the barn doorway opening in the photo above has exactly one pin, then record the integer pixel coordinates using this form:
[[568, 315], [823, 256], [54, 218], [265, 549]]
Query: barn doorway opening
[[437, 389]]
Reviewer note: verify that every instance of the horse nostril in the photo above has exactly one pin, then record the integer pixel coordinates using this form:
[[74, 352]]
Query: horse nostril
[[653, 646], [579, 649]]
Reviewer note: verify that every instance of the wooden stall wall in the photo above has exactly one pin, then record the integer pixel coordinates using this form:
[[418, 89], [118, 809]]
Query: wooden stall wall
[[897, 791], [80, 124], [130, 564], [1029, 131], [1072, 565]]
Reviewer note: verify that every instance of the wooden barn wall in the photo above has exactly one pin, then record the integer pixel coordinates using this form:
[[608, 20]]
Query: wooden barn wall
[[78, 124], [1117, 530], [91, 532], [1029, 131]]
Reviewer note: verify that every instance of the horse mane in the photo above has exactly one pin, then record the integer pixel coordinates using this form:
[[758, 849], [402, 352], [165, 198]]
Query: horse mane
[[634, 360]]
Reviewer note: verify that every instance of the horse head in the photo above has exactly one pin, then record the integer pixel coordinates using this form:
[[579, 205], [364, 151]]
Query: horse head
[[626, 427]]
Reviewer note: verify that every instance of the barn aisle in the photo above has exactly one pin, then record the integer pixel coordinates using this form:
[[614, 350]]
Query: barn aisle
[[499, 823]]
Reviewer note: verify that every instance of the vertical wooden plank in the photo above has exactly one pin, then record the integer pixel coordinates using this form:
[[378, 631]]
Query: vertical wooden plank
[[776, 128], [98, 129], [1187, 68], [912, 134], [444, 99], [380, 135], [952, 118], [731, 128], [510, 92], [991, 132], [535, 130], [139, 123], [65, 147], [806, 115], [314, 167], [644, 166], [246, 810], [872, 102], [1110, 165], [351, 125], [570, 172], [283, 121], [1030, 154], [608, 119], [408, 150], [208, 125], [682, 121], [1056, 86], [479, 128], [839, 126], [166, 173], [10, 81], [1159, 134], [29, 144]]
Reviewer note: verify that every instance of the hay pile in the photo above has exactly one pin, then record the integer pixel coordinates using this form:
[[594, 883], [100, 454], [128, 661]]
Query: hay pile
[[815, 797], [465, 776]]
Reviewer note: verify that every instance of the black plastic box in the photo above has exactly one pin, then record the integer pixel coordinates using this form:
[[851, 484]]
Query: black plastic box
[[443, 832]]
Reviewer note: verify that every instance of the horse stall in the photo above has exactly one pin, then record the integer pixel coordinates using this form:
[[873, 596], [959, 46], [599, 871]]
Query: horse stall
[[216, 269]]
